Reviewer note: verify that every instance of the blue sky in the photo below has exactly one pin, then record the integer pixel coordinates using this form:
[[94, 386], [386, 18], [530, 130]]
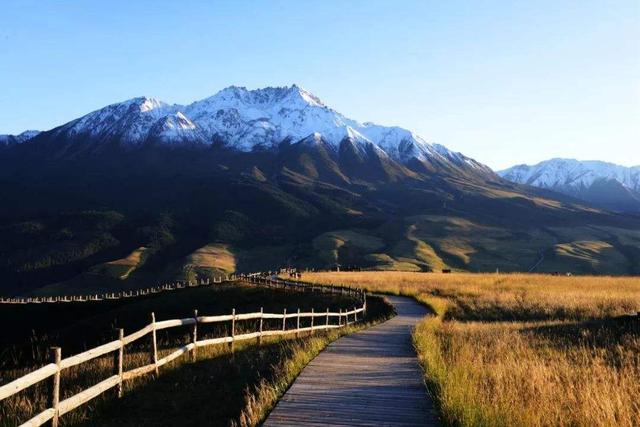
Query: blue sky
[[503, 82]]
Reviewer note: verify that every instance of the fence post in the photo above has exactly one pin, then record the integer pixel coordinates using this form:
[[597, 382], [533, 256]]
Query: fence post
[[355, 315], [54, 392], [326, 322], [154, 342], [298, 324], [118, 361], [340, 318], [312, 320], [260, 336], [194, 336], [284, 320], [233, 330], [364, 304]]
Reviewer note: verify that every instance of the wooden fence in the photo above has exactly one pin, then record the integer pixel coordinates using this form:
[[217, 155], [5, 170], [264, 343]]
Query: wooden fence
[[116, 295], [52, 371]]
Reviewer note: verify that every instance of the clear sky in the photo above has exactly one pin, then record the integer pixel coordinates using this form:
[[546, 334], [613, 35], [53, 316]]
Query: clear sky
[[505, 82]]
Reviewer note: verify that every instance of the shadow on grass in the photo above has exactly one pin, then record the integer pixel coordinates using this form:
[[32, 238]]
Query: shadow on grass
[[79, 326], [209, 392], [601, 333], [214, 391]]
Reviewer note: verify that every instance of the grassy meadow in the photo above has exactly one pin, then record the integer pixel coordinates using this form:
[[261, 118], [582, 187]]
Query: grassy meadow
[[518, 349], [81, 325]]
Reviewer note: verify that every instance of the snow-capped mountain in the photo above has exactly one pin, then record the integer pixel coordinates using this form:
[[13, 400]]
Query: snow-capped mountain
[[6, 140], [130, 121], [277, 168], [556, 173], [245, 120], [607, 184]]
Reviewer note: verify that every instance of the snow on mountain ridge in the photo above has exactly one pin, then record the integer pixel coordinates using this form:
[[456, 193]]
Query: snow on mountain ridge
[[570, 173], [129, 121], [245, 119], [28, 134], [18, 139], [176, 127], [267, 116]]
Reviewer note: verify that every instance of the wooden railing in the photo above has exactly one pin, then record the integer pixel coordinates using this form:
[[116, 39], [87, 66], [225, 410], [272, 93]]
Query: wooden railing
[[52, 371]]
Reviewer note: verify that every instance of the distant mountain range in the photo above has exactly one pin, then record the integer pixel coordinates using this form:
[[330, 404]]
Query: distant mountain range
[[7, 140], [143, 191], [601, 184]]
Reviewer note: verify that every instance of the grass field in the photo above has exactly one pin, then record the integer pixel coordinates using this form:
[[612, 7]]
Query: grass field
[[518, 349], [79, 326]]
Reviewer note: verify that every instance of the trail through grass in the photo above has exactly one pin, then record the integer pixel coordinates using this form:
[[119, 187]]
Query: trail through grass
[[526, 350]]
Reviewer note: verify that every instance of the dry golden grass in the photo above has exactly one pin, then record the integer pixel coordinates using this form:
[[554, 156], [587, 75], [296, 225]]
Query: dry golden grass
[[213, 256], [507, 374], [123, 267], [562, 358], [505, 296]]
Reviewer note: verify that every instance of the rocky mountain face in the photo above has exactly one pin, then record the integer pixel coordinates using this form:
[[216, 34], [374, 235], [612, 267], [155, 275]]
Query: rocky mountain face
[[250, 120], [272, 177], [607, 185]]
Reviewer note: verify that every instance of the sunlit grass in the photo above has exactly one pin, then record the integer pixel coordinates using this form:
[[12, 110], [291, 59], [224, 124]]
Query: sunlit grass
[[505, 296], [526, 350]]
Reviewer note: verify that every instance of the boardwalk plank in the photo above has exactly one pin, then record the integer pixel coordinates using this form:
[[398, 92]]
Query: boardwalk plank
[[370, 378]]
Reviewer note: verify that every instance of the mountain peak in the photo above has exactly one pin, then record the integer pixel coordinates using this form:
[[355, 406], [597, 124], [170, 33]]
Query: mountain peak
[[147, 104], [291, 96], [129, 121], [307, 96]]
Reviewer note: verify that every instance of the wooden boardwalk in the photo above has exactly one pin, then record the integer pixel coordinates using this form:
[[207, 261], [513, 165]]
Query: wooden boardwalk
[[368, 378]]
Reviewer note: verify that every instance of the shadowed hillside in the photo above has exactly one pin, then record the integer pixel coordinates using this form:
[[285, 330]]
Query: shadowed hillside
[[141, 192]]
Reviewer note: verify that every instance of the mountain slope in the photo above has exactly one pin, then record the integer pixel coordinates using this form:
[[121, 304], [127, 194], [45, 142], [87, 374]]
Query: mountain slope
[[602, 184], [278, 178]]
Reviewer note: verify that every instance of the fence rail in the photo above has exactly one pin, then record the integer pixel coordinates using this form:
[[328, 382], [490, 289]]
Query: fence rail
[[53, 370]]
